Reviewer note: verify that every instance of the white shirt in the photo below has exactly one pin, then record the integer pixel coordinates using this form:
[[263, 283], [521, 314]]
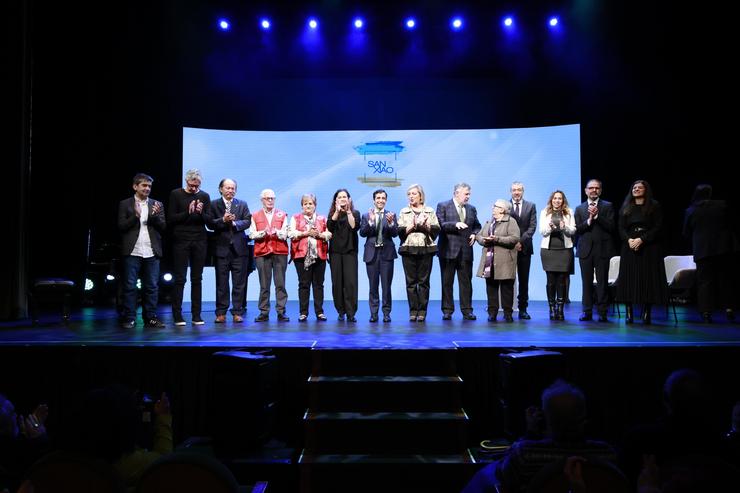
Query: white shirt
[[282, 233], [143, 247]]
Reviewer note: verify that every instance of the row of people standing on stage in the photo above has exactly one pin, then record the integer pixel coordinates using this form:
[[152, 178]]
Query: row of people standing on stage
[[448, 232]]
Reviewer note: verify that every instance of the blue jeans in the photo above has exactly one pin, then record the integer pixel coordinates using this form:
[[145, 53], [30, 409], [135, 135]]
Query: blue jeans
[[147, 269]]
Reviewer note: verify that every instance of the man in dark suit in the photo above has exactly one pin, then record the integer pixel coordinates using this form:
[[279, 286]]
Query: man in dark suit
[[525, 214], [459, 225], [229, 217], [379, 227], [141, 223], [595, 228]]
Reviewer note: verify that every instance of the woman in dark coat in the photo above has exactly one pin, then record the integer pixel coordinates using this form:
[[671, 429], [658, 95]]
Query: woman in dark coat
[[642, 277]]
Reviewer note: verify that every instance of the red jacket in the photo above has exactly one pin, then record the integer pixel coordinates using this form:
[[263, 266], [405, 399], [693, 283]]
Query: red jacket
[[269, 244], [299, 247]]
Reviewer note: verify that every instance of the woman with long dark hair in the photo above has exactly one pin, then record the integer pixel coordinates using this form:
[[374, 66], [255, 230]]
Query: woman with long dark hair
[[343, 223], [557, 227], [641, 268]]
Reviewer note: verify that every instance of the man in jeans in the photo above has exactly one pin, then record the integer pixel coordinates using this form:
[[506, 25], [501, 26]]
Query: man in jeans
[[141, 223]]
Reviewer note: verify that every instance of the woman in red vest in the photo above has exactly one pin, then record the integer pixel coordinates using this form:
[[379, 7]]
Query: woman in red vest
[[308, 248]]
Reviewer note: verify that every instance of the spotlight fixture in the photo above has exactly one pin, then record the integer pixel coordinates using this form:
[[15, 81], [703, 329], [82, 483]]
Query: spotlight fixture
[[410, 23], [265, 24], [456, 23], [358, 23], [508, 21], [167, 277], [554, 21], [110, 277], [313, 23], [89, 285], [224, 24]]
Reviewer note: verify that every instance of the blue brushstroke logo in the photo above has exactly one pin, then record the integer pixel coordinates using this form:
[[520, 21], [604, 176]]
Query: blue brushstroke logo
[[381, 147]]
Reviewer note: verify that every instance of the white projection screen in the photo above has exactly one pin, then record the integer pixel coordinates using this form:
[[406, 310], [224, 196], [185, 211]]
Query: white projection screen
[[297, 162]]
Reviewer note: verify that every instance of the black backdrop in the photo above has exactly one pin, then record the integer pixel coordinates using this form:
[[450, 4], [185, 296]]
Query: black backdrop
[[100, 91]]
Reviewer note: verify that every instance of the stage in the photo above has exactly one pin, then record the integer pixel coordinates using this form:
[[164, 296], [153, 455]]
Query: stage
[[99, 327]]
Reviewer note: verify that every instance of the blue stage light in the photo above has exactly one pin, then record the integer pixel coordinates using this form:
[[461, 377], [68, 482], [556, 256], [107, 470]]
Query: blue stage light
[[410, 23], [167, 277], [358, 23], [89, 285], [456, 23], [554, 21], [224, 24], [110, 277], [265, 24], [508, 21], [313, 23]]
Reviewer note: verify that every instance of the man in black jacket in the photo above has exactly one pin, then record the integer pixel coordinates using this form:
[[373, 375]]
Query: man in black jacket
[[141, 223], [525, 214]]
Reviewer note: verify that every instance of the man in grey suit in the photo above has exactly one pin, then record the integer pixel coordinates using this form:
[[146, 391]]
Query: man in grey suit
[[229, 217], [379, 227], [141, 223], [595, 229], [525, 214], [459, 225]]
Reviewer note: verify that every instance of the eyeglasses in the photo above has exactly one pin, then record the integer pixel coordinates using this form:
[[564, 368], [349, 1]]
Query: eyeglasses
[[268, 198]]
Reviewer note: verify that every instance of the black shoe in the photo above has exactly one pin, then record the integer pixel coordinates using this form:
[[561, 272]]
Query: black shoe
[[321, 317], [351, 318], [492, 318], [373, 318], [386, 318], [447, 316], [198, 321], [283, 317], [586, 317], [508, 318], [340, 317], [523, 315], [603, 318], [154, 323], [420, 318], [179, 321], [706, 317], [302, 317], [470, 316], [128, 324], [262, 317]]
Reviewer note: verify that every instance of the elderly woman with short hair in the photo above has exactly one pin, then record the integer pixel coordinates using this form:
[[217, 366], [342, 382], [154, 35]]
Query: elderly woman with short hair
[[499, 236]]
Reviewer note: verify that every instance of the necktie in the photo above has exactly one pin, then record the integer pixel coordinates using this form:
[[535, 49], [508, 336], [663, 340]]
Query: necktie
[[516, 208], [379, 229], [228, 207], [461, 213]]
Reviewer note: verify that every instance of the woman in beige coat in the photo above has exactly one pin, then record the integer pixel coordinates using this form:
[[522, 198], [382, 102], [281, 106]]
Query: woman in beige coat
[[499, 237]]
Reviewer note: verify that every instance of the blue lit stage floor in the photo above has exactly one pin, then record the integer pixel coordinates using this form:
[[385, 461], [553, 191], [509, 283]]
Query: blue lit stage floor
[[99, 327]]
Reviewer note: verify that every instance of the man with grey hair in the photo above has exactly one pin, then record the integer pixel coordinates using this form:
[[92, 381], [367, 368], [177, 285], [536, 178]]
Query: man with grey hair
[[269, 230], [186, 215], [525, 214], [459, 225]]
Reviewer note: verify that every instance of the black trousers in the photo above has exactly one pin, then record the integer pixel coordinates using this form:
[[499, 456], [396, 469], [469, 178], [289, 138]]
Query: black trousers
[[418, 269], [523, 263], [506, 288], [313, 277], [344, 282], [714, 284], [600, 294], [464, 270], [235, 265], [186, 253], [380, 274]]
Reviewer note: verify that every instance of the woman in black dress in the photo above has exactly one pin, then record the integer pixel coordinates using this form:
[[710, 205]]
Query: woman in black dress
[[343, 223], [641, 268]]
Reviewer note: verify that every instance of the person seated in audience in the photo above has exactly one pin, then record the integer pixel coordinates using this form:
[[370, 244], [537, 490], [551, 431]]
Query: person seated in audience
[[23, 440], [687, 429], [111, 425], [564, 408]]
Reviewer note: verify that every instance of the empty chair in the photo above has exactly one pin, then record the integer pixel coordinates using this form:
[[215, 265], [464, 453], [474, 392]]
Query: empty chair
[[680, 271], [48, 290]]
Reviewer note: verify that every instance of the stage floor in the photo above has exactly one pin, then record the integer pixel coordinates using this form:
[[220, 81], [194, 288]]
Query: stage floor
[[99, 327]]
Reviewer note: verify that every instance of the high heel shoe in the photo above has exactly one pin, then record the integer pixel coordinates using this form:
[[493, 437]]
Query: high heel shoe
[[646, 309]]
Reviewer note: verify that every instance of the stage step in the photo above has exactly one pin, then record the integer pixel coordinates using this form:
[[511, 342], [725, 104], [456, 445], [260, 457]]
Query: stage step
[[386, 420], [393, 393]]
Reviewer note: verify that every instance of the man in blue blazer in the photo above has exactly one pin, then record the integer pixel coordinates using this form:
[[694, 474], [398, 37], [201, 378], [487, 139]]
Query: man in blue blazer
[[229, 217], [459, 225], [525, 214], [141, 223], [379, 227], [595, 228]]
